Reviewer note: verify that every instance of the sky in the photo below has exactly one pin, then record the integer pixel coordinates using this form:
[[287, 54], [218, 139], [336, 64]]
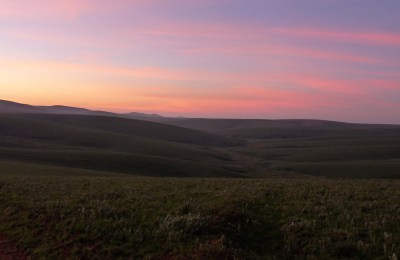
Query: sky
[[321, 59]]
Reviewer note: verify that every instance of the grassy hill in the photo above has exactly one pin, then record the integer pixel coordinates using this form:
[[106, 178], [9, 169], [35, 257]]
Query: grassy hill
[[12, 107], [111, 144], [344, 156], [140, 128], [17, 108], [78, 185], [187, 147], [310, 147], [283, 129], [288, 148]]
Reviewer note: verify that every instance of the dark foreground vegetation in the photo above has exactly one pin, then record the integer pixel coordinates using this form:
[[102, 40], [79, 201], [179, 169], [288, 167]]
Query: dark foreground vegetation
[[82, 217]]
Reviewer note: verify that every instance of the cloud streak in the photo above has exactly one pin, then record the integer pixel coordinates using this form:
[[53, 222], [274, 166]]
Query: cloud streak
[[215, 57], [361, 38]]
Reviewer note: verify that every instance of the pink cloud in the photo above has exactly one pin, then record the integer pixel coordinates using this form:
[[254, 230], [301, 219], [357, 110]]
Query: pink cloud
[[333, 99], [287, 51], [249, 32], [318, 96], [237, 101], [384, 84], [237, 40], [194, 38], [43, 9], [377, 38], [67, 9], [262, 78]]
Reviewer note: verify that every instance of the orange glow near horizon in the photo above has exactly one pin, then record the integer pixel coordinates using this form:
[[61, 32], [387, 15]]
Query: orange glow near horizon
[[113, 56]]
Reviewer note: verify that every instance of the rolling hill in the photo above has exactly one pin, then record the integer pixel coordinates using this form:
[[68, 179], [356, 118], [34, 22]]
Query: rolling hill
[[138, 128], [12, 107], [17, 108], [284, 129], [60, 136], [112, 144], [238, 128]]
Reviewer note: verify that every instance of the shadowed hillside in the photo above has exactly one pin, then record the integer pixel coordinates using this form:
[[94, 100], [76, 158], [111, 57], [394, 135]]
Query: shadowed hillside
[[104, 144], [17, 108], [141, 128], [102, 141], [283, 129], [12, 107]]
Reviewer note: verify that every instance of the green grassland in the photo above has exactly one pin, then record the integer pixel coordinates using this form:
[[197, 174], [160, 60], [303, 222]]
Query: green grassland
[[113, 145], [373, 156], [309, 147], [80, 217], [98, 187], [232, 148], [138, 128], [286, 129]]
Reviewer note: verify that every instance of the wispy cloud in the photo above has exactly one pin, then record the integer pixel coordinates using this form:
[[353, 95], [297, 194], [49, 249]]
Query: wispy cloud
[[361, 38], [71, 9], [210, 57], [193, 39]]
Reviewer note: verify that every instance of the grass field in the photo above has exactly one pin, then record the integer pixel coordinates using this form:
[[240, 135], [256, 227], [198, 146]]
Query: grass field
[[371, 157], [119, 217], [285, 129], [231, 148], [114, 145], [274, 148], [98, 187]]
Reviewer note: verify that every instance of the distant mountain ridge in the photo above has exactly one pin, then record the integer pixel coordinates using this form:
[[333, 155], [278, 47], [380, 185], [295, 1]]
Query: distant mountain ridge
[[238, 128], [18, 108], [13, 107]]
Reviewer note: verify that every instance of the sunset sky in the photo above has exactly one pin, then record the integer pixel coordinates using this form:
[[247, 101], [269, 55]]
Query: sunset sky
[[326, 59]]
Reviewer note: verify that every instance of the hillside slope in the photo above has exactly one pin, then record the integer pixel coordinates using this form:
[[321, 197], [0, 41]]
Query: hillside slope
[[283, 129], [46, 139], [17, 108], [12, 107], [140, 128]]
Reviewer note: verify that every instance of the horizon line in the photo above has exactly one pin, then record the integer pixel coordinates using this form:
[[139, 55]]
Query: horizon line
[[194, 117]]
